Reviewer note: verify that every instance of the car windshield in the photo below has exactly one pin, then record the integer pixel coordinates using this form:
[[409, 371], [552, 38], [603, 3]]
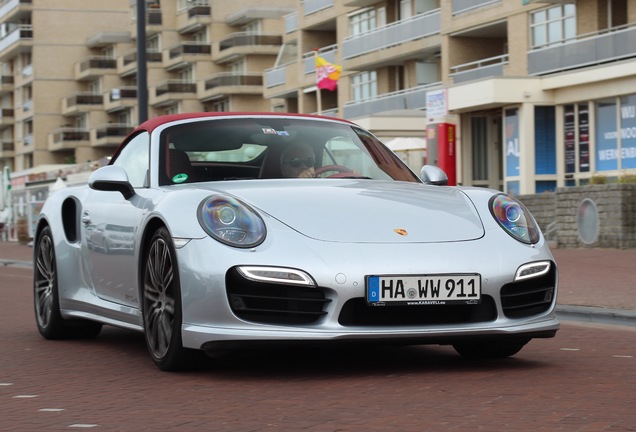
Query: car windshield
[[274, 147]]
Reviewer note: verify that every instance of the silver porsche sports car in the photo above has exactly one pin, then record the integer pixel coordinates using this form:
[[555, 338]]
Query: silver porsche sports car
[[210, 231]]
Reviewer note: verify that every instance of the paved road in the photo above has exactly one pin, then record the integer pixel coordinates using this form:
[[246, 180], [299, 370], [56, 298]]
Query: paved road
[[582, 380]]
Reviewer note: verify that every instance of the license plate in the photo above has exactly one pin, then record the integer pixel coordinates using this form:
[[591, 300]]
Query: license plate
[[433, 289]]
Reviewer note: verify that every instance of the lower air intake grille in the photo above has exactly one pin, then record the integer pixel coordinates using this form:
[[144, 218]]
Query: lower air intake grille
[[356, 312], [272, 303], [529, 297]]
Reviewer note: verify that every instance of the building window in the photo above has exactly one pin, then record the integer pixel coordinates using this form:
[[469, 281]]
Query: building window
[[187, 74], [253, 27], [222, 105], [364, 86], [362, 22], [153, 43], [553, 25]]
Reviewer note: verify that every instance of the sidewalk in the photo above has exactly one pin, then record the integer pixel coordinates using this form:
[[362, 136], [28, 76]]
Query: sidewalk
[[596, 285]]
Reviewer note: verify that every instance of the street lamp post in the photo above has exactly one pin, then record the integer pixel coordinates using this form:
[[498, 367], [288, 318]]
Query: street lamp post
[[142, 70]]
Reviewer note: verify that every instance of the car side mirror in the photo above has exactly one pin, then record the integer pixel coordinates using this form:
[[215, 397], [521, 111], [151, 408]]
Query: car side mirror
[[433, 175], [111, 178]]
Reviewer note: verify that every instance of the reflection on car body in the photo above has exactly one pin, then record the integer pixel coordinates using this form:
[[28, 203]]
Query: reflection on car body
[[226, 251]]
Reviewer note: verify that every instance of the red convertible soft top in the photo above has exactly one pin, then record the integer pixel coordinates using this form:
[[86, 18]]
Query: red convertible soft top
[[155, 122]]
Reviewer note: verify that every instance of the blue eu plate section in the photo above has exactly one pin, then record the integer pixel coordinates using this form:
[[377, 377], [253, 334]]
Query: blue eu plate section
[[373, 289]]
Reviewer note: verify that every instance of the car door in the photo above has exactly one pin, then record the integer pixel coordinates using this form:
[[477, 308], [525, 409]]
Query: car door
[[110, 225]]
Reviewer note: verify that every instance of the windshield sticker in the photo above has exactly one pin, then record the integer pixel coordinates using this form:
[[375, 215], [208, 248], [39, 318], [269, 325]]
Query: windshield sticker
[[271, 131], [179, 178]]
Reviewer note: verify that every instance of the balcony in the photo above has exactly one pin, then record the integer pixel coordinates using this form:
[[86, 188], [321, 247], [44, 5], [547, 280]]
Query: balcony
[[392, 35], [227, 84], [313, 6], [480, 69], [242, 44], [153, 17], [120, 99], [110, 134], [94, 67], [6, 117], [414, 98], [17, 40], [186, 53], [196, 16], [291, 22], [6, 84], [127, 64], [10, 9], [68, 139], [589, 49], [462, 6], [7, 149], [167, 92], [82, 102]]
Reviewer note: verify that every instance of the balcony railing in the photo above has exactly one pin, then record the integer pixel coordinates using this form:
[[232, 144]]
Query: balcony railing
[[417, 27], [6, 112], [414, 98], [250, 39], [175, 86], [110, 130], [484, 68], [84, 99], [460, 6], [153, 16], [9, 5], [123, 93], [98, 62], [151, 56], [6, 80], [588, 49], [291, 22], [312, 6], [230, 79], [7, 146], [275, 77], [70, 134], [190, 48], [15, 35], [199, 10]]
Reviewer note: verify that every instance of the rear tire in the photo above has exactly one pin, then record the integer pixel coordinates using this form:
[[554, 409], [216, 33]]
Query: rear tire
[[46, 298], [161, 306], [490, 348]]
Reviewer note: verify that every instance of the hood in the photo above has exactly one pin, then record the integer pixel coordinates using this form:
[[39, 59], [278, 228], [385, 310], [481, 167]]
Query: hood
[[365, 211]]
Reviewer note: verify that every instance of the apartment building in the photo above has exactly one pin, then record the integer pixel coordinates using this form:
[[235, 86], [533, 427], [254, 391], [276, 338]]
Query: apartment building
[[540, 94], [68, 90]]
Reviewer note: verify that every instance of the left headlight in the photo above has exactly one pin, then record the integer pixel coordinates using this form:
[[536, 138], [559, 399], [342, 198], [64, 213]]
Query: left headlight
[[231, 222], [514, 218]]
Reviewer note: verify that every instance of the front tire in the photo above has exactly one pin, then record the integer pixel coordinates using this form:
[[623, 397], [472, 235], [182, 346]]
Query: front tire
[[46, 298], [161, 306]]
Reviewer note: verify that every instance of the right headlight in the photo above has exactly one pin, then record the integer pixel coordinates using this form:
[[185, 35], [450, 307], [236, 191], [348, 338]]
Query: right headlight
[[231, 222], [514, 218]]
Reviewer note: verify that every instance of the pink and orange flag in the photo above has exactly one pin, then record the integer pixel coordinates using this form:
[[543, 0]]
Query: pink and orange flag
[[327, 74]]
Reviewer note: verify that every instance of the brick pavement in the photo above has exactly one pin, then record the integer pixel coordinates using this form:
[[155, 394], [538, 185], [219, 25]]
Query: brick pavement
[[588, 277]]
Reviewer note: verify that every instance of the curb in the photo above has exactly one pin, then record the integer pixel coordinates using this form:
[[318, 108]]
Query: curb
[[598, 315], [15, 263]]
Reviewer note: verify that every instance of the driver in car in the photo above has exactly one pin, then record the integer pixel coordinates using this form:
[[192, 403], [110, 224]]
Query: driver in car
[[297, 161]]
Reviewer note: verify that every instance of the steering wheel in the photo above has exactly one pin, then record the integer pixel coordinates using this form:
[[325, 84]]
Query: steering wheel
[[340, 171]]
